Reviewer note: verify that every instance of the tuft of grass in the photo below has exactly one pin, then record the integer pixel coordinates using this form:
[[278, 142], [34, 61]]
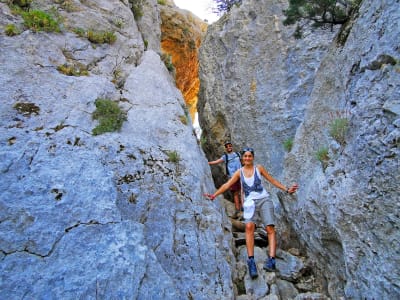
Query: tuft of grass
[[161, 2], [322, 156], [79, 31], [11, 30], [101, 37], [288, 144], [137, 9], [338, 129], [73, 70], [27, 108], [109, 115], [183, 119], [37, 20], [173, 156]]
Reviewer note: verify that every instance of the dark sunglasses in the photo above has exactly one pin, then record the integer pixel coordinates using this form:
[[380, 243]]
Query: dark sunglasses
[[248, 149]]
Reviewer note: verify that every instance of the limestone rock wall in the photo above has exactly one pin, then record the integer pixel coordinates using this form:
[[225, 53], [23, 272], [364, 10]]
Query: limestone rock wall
[[118, 215], [348, 210], [260, 87], [255, 81]]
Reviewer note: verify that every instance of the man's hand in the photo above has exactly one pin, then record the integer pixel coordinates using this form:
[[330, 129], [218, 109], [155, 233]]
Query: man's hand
[[210, 196], [293, 188]]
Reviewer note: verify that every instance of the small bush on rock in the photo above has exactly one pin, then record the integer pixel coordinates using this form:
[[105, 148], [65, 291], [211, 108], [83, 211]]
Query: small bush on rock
[[11, 30], [38, 20], [288, 144], [101, 37], [109, 115], [338, 130], [73, 70], [173, 156]]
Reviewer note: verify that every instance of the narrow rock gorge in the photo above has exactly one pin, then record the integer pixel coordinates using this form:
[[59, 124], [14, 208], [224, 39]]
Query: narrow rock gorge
[[103, 176], [263, 89]]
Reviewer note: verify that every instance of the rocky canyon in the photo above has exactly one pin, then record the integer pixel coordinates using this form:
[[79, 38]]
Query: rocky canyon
[[102, 174]]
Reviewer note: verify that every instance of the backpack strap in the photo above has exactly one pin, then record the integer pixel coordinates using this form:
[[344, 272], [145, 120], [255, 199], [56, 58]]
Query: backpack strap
[[226, 163]]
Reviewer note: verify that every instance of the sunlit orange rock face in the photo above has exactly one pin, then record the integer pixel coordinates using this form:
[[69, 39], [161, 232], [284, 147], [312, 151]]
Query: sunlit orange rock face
[[181, 35]]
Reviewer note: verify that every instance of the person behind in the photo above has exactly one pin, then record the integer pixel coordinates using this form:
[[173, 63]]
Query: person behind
[[257, 204], [233, 163]]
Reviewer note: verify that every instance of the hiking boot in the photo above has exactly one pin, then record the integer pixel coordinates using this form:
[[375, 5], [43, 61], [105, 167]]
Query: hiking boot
[[270, 264], [252, 268]]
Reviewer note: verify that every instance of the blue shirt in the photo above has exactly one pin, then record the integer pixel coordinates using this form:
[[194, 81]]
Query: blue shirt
[[233, 163]]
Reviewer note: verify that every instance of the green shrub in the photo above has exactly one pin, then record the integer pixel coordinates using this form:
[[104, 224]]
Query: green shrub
[[173, 156], [322, 154], [38, 20], [288, 144], [110, 116], [101, 37], [338, 129], [137, 9], [161, 2], [11, 30]]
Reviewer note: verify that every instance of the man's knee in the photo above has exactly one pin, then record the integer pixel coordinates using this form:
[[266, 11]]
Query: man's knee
[[270, 229]]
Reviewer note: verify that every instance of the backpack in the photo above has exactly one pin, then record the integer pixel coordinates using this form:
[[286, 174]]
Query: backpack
[[226, 164]]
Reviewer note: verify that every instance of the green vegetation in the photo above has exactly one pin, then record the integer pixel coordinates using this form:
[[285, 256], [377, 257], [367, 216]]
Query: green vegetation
[[101, 37], [137, 8], [27, 108], [322, 154], [167, 59], [79, 31], [288, 144], [119, 22], [173, 156], [110, 116], [11, 30], [161, 2], [338, 129], [38, 20], [73, 69], [319, 13], [183, 119]]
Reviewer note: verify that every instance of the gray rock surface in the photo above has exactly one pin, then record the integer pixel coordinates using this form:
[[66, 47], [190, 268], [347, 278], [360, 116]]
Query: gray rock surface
[[260, 87], [256, 80], [111, 216], [347, 214]]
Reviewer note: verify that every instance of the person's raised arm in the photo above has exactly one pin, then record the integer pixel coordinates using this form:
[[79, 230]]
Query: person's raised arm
[[223, 188], [215, 162], [275, 182]]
